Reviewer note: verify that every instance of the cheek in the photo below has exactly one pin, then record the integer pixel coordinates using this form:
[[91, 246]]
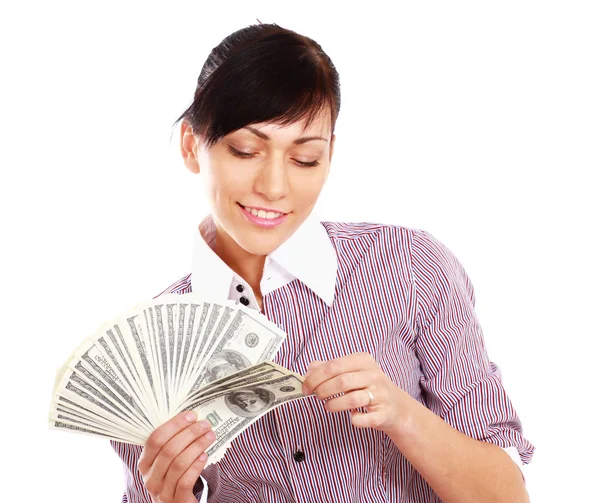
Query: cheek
[[307, 188], [308, 180], [223, 184]]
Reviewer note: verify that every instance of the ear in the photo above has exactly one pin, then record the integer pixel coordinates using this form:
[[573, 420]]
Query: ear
[[331, 146], [188, 146]]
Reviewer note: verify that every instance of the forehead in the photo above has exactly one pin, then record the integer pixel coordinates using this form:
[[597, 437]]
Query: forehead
[[320, 126]]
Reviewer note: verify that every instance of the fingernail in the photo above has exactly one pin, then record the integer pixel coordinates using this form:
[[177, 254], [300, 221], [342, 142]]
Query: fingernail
[[203, 457], [205, 424], [191, 416]]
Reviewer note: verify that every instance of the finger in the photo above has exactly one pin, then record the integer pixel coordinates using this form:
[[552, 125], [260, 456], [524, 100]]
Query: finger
[[313, 365], [174, 447], [185, 485], [180, 465], [352, 400], [161, 436], [345, 383], [332, 368]]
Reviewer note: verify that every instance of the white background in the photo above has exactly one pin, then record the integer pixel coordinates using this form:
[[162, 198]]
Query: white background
[[476, 121]]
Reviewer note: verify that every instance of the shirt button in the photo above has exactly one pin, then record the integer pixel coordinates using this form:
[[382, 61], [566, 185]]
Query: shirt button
[[299, 456], [244, 301], [240, 288]]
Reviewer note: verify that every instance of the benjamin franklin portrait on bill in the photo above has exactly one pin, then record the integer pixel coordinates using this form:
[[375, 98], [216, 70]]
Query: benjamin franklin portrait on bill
[[249, 402], [224, 363]]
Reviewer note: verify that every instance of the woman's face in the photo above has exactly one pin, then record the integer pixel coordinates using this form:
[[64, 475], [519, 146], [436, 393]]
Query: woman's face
[[261, 167]]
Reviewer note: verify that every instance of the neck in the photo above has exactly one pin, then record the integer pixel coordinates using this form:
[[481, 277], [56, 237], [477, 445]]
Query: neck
[[247, 265]]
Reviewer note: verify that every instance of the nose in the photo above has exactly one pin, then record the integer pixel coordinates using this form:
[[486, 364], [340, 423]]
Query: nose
[[272, 181]]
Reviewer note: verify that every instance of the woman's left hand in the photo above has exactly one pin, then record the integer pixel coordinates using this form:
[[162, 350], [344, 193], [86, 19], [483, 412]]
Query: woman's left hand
[[363, 384]]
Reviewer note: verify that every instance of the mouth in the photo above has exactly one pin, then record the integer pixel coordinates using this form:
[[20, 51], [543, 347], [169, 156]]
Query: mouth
[[263, 213], [263, 217]]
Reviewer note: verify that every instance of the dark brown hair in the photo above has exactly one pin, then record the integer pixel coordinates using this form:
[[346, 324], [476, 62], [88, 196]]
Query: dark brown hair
[[262, 73]]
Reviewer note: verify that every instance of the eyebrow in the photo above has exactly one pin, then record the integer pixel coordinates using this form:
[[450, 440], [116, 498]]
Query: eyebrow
[[298, 141]]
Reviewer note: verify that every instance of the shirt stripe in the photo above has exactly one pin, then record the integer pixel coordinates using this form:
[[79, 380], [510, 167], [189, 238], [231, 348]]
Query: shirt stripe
[[403, 297]]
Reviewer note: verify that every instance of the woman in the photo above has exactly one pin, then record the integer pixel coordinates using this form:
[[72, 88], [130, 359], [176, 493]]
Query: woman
[[379, 318]]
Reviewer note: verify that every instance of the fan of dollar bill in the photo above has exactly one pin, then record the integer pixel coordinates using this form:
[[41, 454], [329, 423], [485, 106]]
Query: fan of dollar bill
[[171, 354]]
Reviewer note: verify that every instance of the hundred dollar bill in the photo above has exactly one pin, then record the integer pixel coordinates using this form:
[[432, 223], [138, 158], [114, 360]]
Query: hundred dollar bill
[[183, 326], [260, 372], [161, 330], [76, 412], [76, 389], [95, 367], [200, 315], [247, 340], [65, 425], [80, 417], [218, 317], [251, 380], [154, 355], [214, 333], [163, 317], [67, 416], [141, 354], [245, 372], [231, 412], [103, 391], [159, 317], [198, 323], [174, 353], [118, 349]]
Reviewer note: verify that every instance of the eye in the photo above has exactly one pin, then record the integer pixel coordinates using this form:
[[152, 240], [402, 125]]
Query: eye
[[245, 155], [237, 153], [311, 164]]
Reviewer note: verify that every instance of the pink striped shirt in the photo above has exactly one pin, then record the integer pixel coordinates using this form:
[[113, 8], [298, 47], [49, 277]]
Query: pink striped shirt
[[403, 297]]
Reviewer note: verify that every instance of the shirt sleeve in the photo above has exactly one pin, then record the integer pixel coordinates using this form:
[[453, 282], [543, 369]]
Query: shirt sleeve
[[135, 490], [459, 382]]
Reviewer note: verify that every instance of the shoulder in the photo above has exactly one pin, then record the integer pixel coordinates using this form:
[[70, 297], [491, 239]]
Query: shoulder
[[366, 231], [437, 270], [419, 251], [384, 236], [419, 245], [384, 248], [431, 257]]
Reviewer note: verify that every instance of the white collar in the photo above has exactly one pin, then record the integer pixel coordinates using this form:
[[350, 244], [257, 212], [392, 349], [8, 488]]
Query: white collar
[[307, 255]]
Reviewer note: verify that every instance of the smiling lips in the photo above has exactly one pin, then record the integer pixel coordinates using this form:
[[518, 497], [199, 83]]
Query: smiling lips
[[267, 215], [263, 218]]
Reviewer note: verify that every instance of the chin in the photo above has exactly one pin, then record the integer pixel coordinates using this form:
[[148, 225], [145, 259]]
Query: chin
[[260, 241], [260, 246]]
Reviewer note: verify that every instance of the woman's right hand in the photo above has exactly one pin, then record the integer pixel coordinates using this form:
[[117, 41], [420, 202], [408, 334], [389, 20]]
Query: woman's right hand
[[173, 458]]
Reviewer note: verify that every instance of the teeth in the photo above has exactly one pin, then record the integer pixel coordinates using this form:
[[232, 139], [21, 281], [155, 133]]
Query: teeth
[[269, 215]]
